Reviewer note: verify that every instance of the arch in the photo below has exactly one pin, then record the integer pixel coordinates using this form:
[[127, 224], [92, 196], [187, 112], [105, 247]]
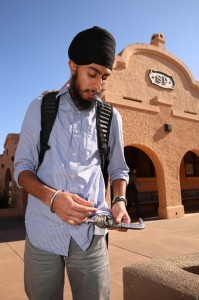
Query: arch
[[189, 181], [149, 189], [191, 164], [122, 59], [137, 158]]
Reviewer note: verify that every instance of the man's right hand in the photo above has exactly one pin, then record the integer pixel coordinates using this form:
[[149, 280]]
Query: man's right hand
[[71, 208]]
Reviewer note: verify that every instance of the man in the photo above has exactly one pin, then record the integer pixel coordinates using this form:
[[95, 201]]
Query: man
[[69, 187], [132, 193]]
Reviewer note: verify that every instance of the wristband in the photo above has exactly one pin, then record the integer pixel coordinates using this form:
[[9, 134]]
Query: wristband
[[52, 200], [119, 198]]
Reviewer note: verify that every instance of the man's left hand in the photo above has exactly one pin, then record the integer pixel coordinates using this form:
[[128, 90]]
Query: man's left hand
[[120, 214]]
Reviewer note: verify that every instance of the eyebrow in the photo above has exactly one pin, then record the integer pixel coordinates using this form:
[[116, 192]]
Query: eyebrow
[[99, 72]]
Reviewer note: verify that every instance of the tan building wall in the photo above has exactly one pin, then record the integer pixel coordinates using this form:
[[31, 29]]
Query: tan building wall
[[146, 108], [16, 197], [147, 101]]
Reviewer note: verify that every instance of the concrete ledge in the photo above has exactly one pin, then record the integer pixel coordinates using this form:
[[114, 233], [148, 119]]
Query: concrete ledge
[[163, 278]]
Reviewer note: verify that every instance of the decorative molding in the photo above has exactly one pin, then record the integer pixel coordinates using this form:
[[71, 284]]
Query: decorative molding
[[186, 116], [157, 101], [132, 99], [114, 100]]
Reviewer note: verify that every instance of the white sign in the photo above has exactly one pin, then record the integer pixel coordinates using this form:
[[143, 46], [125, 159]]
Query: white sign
[[161, 79]]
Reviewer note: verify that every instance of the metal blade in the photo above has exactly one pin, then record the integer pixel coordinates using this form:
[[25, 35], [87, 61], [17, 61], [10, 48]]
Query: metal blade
[[138, 226]]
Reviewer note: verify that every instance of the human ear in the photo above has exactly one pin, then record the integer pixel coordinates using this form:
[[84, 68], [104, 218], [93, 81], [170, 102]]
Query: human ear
[[73, 67]]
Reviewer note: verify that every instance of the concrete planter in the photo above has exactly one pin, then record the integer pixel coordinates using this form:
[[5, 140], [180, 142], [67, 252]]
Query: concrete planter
[[169, 278]]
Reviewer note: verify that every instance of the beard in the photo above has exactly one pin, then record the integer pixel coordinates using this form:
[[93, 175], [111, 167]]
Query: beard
[[76, 94]]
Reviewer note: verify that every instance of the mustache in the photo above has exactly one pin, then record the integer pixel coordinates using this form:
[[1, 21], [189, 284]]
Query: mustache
[[93, 91]]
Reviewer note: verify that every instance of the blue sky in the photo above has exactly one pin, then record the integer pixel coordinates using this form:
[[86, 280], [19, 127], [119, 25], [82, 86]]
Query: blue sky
[[35, 35]]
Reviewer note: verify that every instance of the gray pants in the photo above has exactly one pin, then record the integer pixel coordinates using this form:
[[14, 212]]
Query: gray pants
[[88, 272]]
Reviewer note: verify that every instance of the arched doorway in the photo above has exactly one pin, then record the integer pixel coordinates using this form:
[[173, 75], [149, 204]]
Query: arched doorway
[[147, 195], [189, 181], [8, 188]]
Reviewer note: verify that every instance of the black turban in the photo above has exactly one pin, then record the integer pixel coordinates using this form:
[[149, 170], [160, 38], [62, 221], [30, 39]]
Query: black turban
[[93, 45]]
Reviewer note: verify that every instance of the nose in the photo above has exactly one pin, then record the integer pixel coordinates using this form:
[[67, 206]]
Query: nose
[[98, 83]]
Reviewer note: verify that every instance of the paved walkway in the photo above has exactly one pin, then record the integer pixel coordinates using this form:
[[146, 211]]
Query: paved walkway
[[159, 238]]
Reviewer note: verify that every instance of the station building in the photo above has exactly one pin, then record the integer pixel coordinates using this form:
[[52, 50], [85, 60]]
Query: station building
[[158, 99]]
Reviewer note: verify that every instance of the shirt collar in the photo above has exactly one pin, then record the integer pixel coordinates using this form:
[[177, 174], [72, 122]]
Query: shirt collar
[[63, 90]]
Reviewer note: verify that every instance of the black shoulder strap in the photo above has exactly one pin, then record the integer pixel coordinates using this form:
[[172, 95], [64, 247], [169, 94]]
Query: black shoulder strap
[[49, 109], [103, 119]]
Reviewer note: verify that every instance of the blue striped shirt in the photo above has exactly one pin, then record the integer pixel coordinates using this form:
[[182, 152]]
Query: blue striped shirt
[[71, 164]]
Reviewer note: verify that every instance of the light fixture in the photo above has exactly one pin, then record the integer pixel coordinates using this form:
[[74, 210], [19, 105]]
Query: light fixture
[[168, 127]]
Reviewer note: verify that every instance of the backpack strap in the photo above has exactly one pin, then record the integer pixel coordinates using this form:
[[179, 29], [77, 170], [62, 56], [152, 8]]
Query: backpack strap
[[49, 109], [103, 122], [104, 112]]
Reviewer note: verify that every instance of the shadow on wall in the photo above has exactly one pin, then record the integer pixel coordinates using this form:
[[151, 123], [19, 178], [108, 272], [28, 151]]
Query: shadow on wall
[[12, 229]]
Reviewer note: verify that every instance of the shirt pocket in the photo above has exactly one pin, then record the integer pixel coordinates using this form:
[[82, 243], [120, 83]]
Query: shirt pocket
[[90, 143]]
